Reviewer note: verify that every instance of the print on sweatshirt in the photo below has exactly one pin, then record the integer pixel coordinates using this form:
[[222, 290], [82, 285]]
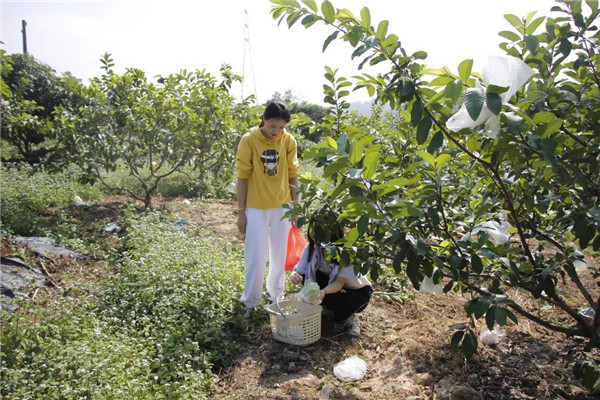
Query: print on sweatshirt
[[270, 159]]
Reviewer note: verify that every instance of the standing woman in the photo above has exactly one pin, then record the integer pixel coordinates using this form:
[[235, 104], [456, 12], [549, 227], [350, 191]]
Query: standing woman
[[267, 168]]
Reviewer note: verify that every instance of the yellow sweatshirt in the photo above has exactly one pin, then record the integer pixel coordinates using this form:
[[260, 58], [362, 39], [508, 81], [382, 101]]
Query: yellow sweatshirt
[[268, 165]]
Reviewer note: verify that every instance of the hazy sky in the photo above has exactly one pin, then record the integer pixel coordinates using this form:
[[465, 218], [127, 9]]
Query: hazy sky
[[162, 37]]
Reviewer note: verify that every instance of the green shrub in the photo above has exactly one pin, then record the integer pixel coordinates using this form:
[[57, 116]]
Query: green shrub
[[158, 327], [181, 286], [26, 191], [75, 355]]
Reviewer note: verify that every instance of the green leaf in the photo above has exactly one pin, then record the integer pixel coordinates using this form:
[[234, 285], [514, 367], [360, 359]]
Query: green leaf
[[370, 163], [502, 314], [453, 90], [584, 231], [391, 44], [535, 95], [456, 338], [441, 81], [416, 112], [474, 100], [407, 89], [309, 20], [382, 30], [464, 70], [493, 102], [330, 39], [514, 123], [293, 18], [423, 129], [548, 150], [479, 307], [436, 142], [532, 43], [342, 143], [442, 159], [429, 158], [331, 143], [513, 37], [311, 4], [565, 47], [328, 11], [490, 317], [356, 152], [354, 35], [514, 21], [412, 269], [491, 88], [333, 168], [365, 18], [476, 263], [363, 224], [469, 347], [347, 14], [351, 236], [550, 127], [419, 55], [534, 24], [399, 259]]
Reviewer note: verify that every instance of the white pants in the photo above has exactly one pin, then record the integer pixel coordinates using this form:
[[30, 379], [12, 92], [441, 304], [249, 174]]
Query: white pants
[[266, 234]]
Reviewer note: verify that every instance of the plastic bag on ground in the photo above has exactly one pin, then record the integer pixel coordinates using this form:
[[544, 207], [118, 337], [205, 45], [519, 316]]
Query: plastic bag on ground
[[351, 369], [428, 286], [492, 337]]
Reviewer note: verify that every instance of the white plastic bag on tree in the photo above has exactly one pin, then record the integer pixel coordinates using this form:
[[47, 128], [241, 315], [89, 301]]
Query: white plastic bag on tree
[[504, 71]]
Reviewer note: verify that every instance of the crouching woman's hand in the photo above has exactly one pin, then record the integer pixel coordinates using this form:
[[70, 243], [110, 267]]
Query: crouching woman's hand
[[296, 278]]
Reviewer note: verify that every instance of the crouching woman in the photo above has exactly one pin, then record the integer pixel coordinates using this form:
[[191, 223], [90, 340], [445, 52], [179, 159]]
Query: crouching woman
[[343, 292]]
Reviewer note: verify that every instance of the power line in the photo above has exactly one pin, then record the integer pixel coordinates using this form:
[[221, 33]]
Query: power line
[[248, 48]]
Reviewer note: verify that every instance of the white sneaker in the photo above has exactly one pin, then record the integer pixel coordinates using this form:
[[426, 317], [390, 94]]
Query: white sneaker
[[352, 326]]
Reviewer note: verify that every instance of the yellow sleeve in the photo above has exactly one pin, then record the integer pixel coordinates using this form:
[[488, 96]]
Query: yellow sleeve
[[292, 157], [244, 158]]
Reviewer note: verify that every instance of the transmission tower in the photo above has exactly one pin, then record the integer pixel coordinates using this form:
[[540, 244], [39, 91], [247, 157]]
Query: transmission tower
[[247, 49]]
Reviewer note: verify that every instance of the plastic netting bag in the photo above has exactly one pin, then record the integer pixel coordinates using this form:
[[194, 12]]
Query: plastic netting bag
[[309, 293]]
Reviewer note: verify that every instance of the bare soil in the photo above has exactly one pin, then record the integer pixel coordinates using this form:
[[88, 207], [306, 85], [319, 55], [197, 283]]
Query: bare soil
[[406, 345]]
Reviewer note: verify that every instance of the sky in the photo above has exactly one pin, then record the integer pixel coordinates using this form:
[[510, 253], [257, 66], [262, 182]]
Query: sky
[[163, 37]]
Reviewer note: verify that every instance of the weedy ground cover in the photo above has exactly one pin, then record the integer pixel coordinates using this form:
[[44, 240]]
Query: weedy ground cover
[[156, 327]]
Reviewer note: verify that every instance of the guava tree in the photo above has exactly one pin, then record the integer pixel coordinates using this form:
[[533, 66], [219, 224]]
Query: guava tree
[[492, 179], [152, 129], [31, 91]]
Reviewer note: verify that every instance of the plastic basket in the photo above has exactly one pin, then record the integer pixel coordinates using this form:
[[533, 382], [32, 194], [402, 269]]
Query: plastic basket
[[295, 322]]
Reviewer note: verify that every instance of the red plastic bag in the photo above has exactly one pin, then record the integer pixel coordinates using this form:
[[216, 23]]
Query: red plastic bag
[[295, 247]]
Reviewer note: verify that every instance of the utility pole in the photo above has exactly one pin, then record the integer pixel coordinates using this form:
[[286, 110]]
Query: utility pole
[[24, 31], [247, 47]]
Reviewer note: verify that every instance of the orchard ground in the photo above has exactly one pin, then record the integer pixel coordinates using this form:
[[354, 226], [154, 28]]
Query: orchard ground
[[405, 344]]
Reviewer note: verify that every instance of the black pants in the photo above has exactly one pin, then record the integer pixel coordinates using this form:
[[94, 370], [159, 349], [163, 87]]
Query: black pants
[[345, 302]]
